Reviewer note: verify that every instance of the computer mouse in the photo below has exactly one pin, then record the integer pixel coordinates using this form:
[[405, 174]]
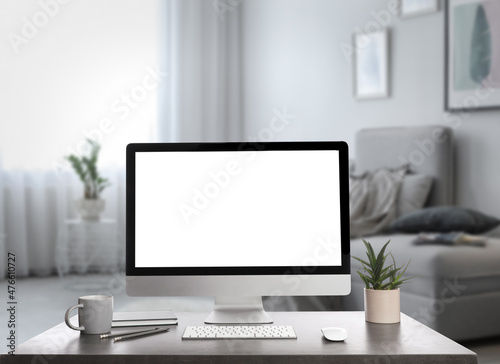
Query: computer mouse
[[334, 333]]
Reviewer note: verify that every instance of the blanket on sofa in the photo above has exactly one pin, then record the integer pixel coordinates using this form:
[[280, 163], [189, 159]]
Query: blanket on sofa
[[373, 200]]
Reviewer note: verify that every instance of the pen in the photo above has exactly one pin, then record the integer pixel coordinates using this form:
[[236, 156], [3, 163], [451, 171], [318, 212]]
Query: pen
[[131, 336], [108, 336]]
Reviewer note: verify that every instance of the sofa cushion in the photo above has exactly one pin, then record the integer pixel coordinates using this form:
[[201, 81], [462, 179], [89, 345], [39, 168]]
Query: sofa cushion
[[413, 193], [439, 268], [444, 219]]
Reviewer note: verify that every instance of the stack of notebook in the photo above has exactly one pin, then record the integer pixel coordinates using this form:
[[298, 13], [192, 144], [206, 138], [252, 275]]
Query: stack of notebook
[[144, 318]]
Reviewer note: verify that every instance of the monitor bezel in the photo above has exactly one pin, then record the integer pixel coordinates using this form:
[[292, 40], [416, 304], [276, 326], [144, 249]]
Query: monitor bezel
[[133, 148]]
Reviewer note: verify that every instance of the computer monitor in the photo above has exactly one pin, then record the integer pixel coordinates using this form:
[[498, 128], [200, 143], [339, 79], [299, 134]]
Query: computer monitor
[[237, 221]]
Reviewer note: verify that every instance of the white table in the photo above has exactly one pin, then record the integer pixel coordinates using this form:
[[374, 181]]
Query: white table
[[89, 247]]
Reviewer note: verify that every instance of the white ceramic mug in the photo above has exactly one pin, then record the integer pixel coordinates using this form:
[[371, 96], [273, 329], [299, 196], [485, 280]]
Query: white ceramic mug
[[95, 314]]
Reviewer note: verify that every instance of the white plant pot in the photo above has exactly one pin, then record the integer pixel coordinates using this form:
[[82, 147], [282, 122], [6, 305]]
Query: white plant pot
[[89, 209], [382, 306]]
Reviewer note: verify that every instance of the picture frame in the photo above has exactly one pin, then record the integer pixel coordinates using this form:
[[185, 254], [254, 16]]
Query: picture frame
[[472, 55], [411, 8], [371, 64]]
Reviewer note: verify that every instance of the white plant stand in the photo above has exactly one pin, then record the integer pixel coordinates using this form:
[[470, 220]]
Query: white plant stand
[[89, 247]]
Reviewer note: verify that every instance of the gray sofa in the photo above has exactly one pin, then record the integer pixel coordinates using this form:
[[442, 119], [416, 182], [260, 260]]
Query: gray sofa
[[455, 289]]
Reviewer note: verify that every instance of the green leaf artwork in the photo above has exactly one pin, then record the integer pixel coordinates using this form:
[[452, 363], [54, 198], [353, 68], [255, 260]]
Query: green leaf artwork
[[480, 55]]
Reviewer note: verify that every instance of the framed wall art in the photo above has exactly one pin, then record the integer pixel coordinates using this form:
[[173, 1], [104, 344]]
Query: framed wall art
[[472, 54], [371, 64], [408, 8]]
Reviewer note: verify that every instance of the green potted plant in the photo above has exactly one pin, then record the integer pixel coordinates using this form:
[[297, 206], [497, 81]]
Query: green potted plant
[[91, 205], [382, 282]]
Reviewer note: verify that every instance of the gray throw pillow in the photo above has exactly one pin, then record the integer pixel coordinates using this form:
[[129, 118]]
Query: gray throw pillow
[[413, 193], [444, 219]]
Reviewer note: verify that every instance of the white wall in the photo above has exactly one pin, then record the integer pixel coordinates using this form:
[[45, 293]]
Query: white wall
[[64, 66], [293, 58], [65, 79]]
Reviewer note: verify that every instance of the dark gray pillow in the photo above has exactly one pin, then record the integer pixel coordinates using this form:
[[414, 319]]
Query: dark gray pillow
[[444, 219]]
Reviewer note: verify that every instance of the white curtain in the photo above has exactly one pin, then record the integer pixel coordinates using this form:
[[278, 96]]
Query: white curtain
[[90, 71], [197, 100], [203, 59], [36, 203]]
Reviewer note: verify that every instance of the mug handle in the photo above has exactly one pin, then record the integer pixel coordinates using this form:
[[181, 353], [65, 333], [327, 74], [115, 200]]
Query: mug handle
[[66, 318]]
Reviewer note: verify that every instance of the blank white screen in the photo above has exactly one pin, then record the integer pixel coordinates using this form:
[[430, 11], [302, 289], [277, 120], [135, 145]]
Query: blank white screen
[[220, 209]]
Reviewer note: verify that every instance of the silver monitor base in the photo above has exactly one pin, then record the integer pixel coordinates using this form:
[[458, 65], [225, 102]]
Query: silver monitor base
[[238, 310]]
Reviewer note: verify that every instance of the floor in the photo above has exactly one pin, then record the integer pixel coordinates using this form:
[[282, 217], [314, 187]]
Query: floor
[[42, 302]]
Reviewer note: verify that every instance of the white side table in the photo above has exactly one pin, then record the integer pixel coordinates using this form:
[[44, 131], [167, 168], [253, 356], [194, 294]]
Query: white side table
[[89, 247]]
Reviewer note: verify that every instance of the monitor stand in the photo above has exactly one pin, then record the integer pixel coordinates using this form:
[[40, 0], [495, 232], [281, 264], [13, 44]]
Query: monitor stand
[[238, 310]]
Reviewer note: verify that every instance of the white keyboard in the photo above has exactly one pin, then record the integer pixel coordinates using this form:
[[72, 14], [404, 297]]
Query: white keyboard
[[239, 332]]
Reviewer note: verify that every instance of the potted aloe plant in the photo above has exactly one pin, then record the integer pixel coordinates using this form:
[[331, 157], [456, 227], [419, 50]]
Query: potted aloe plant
[[382, 282], [91, 205]]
